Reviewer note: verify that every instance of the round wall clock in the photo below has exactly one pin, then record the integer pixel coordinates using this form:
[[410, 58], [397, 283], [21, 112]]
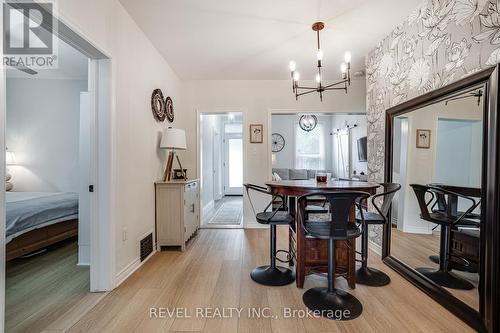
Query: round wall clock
[[278, 142], [169, 109], [158, 105]]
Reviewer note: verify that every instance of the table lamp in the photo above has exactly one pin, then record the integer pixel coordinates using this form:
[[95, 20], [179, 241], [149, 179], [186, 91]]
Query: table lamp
[[10, 159], [173, 139]]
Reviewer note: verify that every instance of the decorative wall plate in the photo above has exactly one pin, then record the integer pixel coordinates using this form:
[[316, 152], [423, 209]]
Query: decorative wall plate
[[278, 142], [158, 105], [169, 109]]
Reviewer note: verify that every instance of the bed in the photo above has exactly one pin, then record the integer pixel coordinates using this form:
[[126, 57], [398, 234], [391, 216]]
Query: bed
[[35, 220]]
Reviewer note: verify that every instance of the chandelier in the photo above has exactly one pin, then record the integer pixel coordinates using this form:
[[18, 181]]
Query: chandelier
[[345, 68], [308, 122]]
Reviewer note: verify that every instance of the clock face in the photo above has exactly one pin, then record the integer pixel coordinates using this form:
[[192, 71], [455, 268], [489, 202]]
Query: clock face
[[278, 142]]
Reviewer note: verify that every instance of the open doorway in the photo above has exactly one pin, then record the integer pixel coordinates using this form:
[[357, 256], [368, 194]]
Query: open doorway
[[221, 156], [335, 144], [57, 231], [48, 140]]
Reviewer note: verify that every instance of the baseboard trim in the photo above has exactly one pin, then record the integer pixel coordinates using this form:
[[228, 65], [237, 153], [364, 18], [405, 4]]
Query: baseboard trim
[[417, 230], [209, 206], [83, 255], [128, 270], [375, 247]]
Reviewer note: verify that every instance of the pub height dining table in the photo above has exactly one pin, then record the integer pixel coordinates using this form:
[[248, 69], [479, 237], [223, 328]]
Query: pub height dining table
[[310, 254]]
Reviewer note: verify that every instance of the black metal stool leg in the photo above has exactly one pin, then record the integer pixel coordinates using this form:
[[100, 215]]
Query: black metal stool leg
[[272, 275], [332, 303], [442, 276], [366, 275]]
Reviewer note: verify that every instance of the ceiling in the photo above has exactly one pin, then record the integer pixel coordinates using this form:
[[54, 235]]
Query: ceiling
[[71, 65], [256, 39]]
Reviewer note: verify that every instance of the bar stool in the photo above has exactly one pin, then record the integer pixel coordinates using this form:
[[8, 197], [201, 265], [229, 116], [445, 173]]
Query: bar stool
[[441, 276], [328, 301], [272, 275], [367, 275]]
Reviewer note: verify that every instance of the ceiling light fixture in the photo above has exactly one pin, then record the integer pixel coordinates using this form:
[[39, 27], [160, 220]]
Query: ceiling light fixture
[[308, 122], [345, 68]]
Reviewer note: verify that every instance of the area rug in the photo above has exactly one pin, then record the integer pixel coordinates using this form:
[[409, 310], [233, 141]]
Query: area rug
[[228, 214]]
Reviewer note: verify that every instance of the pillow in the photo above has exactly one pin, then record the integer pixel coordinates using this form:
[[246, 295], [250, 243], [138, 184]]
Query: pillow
[[298, 174], [276, 177], [282, 172]]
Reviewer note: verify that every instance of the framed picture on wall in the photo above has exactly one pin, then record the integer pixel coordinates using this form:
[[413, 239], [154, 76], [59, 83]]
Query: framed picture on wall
[[423, 138], [256, 133]]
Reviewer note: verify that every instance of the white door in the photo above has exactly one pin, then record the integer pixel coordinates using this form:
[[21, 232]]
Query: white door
[[233, 164]]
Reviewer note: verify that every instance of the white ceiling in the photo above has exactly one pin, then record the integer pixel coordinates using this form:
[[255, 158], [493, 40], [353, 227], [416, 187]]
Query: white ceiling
[[72, 65], [256, 39]]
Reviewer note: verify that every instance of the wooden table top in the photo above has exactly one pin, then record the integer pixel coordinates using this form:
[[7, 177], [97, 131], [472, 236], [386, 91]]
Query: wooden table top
[[313, 186]]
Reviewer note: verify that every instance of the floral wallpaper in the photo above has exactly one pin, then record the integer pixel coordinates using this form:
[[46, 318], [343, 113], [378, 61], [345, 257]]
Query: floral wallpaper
[[440, 42]]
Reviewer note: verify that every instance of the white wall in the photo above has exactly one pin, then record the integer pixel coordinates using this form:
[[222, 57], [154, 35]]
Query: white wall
[[209, 127], [286, 125], [137, 69], [257, 99], [43, 118]]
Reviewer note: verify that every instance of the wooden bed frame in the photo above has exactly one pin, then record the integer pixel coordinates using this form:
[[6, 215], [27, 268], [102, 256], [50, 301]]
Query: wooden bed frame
[[41, 238]]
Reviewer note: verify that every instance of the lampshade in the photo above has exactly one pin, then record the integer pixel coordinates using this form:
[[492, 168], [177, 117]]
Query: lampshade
[[173, 138], [10, 158]]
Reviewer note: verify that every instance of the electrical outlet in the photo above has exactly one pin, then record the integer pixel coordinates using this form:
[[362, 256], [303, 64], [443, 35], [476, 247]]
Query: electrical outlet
[[124, 234]]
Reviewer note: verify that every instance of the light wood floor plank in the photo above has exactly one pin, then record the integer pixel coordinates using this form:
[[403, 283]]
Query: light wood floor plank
[[214, 273]]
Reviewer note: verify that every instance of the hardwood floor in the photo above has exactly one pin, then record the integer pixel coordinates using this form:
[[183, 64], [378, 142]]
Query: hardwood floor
[[47, 291], [415, 249], [214, 272]]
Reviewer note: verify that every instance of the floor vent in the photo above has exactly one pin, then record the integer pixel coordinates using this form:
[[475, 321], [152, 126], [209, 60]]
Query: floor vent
[[146, 246]]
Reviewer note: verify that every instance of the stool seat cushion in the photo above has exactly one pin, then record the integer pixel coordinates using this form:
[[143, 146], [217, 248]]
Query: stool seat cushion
[[370, 217], [322, 230], [278, 218]]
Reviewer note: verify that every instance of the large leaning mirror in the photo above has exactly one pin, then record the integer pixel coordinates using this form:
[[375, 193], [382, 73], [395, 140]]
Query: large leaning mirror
[[442, 149]]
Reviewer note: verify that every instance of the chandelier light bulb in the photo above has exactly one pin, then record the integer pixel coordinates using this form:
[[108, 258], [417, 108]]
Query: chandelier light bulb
[[308, 122], [319, 55], [343, 68], [347, 57]]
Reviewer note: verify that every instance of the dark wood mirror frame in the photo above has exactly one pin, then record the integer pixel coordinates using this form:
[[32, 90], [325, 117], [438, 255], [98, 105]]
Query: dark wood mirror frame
[[488, 317]]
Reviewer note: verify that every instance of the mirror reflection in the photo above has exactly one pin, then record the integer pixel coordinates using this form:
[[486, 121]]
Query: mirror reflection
[[436, 217]]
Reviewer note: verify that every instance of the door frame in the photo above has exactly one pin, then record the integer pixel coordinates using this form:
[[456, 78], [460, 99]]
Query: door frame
[[102, 240], [218, 111], [228, 191]]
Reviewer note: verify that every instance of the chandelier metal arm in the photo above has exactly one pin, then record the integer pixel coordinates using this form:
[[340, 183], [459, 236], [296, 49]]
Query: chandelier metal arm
[[303, 87], [306, 92], [320, 88], [336, 84]]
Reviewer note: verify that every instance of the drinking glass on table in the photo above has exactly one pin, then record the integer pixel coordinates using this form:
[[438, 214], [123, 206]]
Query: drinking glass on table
[[321, 177]]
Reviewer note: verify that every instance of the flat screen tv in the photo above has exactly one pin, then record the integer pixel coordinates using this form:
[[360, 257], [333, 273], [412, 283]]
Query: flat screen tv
[[362, 149]]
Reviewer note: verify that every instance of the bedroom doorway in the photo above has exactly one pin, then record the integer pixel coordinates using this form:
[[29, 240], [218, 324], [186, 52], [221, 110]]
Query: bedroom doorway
[[221, 169], [57, 157]]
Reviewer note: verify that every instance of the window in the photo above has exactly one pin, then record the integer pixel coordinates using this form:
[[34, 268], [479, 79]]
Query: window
[[310, 148]]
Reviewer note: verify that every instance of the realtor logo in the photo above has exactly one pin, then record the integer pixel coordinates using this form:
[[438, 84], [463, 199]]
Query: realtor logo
[[29, 34]]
